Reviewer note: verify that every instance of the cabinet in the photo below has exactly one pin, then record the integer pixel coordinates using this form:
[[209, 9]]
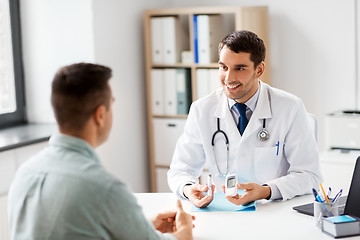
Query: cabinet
[[181, 62]]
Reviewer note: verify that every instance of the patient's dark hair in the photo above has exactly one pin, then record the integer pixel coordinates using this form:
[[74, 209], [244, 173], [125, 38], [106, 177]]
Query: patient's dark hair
[[245, 41], [77, 90]]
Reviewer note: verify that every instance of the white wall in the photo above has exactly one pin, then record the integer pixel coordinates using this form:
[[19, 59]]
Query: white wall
[[54, 33]]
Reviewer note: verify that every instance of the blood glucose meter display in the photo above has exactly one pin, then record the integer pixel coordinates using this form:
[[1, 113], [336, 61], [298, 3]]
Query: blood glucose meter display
[[231, 182]]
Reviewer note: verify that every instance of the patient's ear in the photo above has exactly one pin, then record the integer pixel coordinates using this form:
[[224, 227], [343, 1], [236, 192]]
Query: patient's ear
[[99, 115]]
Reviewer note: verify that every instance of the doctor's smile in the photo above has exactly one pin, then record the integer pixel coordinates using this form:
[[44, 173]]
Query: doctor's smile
[[232, 87]]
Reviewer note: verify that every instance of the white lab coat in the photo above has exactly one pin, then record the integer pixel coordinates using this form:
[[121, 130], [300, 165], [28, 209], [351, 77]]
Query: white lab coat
[[293, 168]]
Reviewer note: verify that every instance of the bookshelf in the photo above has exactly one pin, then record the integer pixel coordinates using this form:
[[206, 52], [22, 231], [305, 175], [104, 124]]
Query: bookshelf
[[172, 46]]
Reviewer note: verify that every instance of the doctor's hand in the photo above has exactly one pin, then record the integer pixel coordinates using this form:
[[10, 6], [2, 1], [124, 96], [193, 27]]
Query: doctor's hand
[[196, 196], [253, 192]]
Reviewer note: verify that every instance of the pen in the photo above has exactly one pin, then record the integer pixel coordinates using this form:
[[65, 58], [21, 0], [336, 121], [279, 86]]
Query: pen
[[337, 196], [315, 193], [329, 193], [318, 198], [277, 150], [209, 192], [322, 189]]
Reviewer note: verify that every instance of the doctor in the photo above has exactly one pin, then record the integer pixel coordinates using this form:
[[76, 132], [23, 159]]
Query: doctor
[[271, 145]]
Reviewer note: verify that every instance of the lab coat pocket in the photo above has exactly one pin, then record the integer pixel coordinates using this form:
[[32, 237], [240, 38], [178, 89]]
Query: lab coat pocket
[[266, 163]]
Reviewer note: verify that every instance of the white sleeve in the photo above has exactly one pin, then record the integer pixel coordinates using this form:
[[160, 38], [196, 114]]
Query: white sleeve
[[189, 157]]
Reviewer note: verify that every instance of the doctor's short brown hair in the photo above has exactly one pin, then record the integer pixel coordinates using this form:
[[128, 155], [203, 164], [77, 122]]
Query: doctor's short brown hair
[[245, 41], [77, 91]]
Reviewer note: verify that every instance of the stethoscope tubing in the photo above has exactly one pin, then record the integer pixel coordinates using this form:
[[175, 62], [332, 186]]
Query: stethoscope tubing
[[263, 135]]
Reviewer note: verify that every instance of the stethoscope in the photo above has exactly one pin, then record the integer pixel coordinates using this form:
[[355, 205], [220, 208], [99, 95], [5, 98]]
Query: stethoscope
[[263, 135]]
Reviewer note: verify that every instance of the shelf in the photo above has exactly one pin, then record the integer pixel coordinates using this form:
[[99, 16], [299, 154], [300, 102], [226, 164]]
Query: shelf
[[176, 65], [170, 116], [186, 65]]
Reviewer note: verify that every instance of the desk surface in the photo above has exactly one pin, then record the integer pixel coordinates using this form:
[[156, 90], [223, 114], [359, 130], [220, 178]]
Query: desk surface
[[271, 220]]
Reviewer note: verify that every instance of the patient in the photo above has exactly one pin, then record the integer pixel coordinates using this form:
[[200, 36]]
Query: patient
[[63, 192]]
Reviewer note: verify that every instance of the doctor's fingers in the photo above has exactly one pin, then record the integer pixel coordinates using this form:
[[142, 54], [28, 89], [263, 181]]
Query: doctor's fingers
[[202, 202], [240, 199], [247, 186], [198, 187]]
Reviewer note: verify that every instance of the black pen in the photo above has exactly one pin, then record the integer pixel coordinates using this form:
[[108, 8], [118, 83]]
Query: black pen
[[315, 193]]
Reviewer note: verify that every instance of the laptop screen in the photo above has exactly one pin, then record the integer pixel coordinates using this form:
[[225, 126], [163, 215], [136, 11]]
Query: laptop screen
[[352, 206]]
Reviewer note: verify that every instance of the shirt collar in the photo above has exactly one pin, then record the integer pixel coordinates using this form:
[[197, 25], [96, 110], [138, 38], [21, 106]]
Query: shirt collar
[[251, 103], [74, 144]]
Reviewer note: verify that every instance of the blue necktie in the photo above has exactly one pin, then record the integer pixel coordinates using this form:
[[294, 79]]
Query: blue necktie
[[241, 107]]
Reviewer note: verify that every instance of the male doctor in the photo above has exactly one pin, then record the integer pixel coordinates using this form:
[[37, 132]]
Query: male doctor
[[271, 143]]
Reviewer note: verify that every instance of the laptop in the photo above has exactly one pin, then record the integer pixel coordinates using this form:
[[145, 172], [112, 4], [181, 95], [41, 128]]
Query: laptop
[[349, 205]]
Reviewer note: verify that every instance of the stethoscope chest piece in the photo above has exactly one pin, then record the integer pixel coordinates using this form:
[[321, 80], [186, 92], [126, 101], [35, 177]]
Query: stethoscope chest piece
[[263, 135]]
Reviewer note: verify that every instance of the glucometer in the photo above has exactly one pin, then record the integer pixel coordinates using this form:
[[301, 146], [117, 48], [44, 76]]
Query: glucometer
[[230, 185], [209, 183]]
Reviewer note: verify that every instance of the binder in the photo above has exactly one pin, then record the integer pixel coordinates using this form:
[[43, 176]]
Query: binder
[[183, 91], [168, 40], [203, 39], [170, 91], [202, 82], [196, 48], [157, 92], [211, 30], [156, 40], [169, 25]]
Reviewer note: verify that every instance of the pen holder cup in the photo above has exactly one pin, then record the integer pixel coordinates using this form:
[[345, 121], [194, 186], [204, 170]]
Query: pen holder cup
[[324, 210]]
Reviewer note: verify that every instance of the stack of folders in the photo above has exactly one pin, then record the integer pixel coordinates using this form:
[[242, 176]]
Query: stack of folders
[[170, 91], [207, 80], [168, 40], [342, 226], [209, 30]]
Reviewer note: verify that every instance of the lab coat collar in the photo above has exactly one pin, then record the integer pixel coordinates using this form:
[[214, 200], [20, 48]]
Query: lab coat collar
[[263, 107], [262, 111]]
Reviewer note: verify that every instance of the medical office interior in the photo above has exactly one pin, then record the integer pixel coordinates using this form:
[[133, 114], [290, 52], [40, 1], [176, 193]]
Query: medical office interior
[[313, 52]]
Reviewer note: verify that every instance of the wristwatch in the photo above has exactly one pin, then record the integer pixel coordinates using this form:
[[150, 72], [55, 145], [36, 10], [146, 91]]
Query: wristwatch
[[268, 198], [188, 184]]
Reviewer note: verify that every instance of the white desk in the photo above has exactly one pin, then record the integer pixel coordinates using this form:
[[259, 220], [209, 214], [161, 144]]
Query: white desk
[[271, 220]]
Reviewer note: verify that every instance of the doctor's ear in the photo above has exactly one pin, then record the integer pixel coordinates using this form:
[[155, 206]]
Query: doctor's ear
[[260, 69]]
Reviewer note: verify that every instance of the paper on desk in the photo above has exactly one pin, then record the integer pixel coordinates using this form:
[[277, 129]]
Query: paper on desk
[[221, 204]]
